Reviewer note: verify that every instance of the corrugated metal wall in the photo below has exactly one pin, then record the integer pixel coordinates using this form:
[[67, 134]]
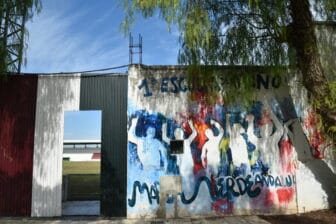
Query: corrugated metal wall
[[55, 95], [109, 94], [17, 120]]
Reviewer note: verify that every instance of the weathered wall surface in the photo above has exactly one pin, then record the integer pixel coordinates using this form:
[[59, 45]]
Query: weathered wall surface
[[316, 166], [263, 159], [55, 94], [269, 158], [17, 121]]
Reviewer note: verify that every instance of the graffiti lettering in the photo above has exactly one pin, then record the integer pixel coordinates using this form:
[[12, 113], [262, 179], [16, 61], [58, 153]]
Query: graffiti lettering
[[144, 84], [164, 85], [172, 84], [237, 186], [264, 80], [270, 181], [182, 87], [176, 84], [225, 188], [175, 88], [152, 192]]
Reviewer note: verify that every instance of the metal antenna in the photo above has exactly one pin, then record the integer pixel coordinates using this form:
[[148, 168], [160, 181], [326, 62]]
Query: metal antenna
[[12, 30], [132, 48]]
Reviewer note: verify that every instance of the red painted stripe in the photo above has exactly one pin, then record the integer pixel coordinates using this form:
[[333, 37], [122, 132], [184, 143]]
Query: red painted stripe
[[96, 155], [17, 125]]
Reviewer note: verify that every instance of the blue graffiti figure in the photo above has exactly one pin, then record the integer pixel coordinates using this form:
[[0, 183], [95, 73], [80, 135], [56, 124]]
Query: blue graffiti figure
[[251, 142], [150, 150]]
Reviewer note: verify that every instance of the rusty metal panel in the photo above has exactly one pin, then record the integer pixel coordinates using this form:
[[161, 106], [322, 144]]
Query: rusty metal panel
[[17, 120], [109, 94], [55, 94]]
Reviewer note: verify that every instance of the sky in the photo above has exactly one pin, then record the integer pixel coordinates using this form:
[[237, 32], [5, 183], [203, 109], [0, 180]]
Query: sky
[[80, 35]]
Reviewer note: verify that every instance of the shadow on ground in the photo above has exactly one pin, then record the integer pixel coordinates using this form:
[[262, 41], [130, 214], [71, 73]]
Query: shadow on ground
[[321, 217]]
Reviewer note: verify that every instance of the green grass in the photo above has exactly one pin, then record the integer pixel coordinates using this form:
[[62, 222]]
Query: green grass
[[84, 187], [87, 167], [83, 179]]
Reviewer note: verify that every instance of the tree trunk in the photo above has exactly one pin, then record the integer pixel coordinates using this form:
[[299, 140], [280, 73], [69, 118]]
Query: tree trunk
[[302, 38]]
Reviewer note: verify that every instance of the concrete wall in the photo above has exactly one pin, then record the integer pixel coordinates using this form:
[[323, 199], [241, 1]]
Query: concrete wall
[[316, 166], [269, 158]]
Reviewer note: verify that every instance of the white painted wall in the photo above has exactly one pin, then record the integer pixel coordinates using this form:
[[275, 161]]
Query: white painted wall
[[150, 92], [313, 176], [55, 95], [76, 157]]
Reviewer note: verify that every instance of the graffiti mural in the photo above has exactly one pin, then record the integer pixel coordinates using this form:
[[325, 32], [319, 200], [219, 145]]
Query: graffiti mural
[[319, 144], [233, 159]]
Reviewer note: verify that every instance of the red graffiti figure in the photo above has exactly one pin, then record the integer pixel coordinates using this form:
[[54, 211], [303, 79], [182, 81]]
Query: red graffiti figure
[[315, 136]]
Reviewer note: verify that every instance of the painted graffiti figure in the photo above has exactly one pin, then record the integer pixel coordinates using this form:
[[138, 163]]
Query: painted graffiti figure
[[237, 144], [210, 151], [150, 150], [185, 160], [251, 140], [269, 140], [287, 152]]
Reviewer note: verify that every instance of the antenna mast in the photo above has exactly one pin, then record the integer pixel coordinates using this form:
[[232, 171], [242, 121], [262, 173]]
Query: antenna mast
[[135, 49], [12, 30]]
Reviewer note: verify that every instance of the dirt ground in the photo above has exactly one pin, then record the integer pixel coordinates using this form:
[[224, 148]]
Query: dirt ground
[[320, 217]]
